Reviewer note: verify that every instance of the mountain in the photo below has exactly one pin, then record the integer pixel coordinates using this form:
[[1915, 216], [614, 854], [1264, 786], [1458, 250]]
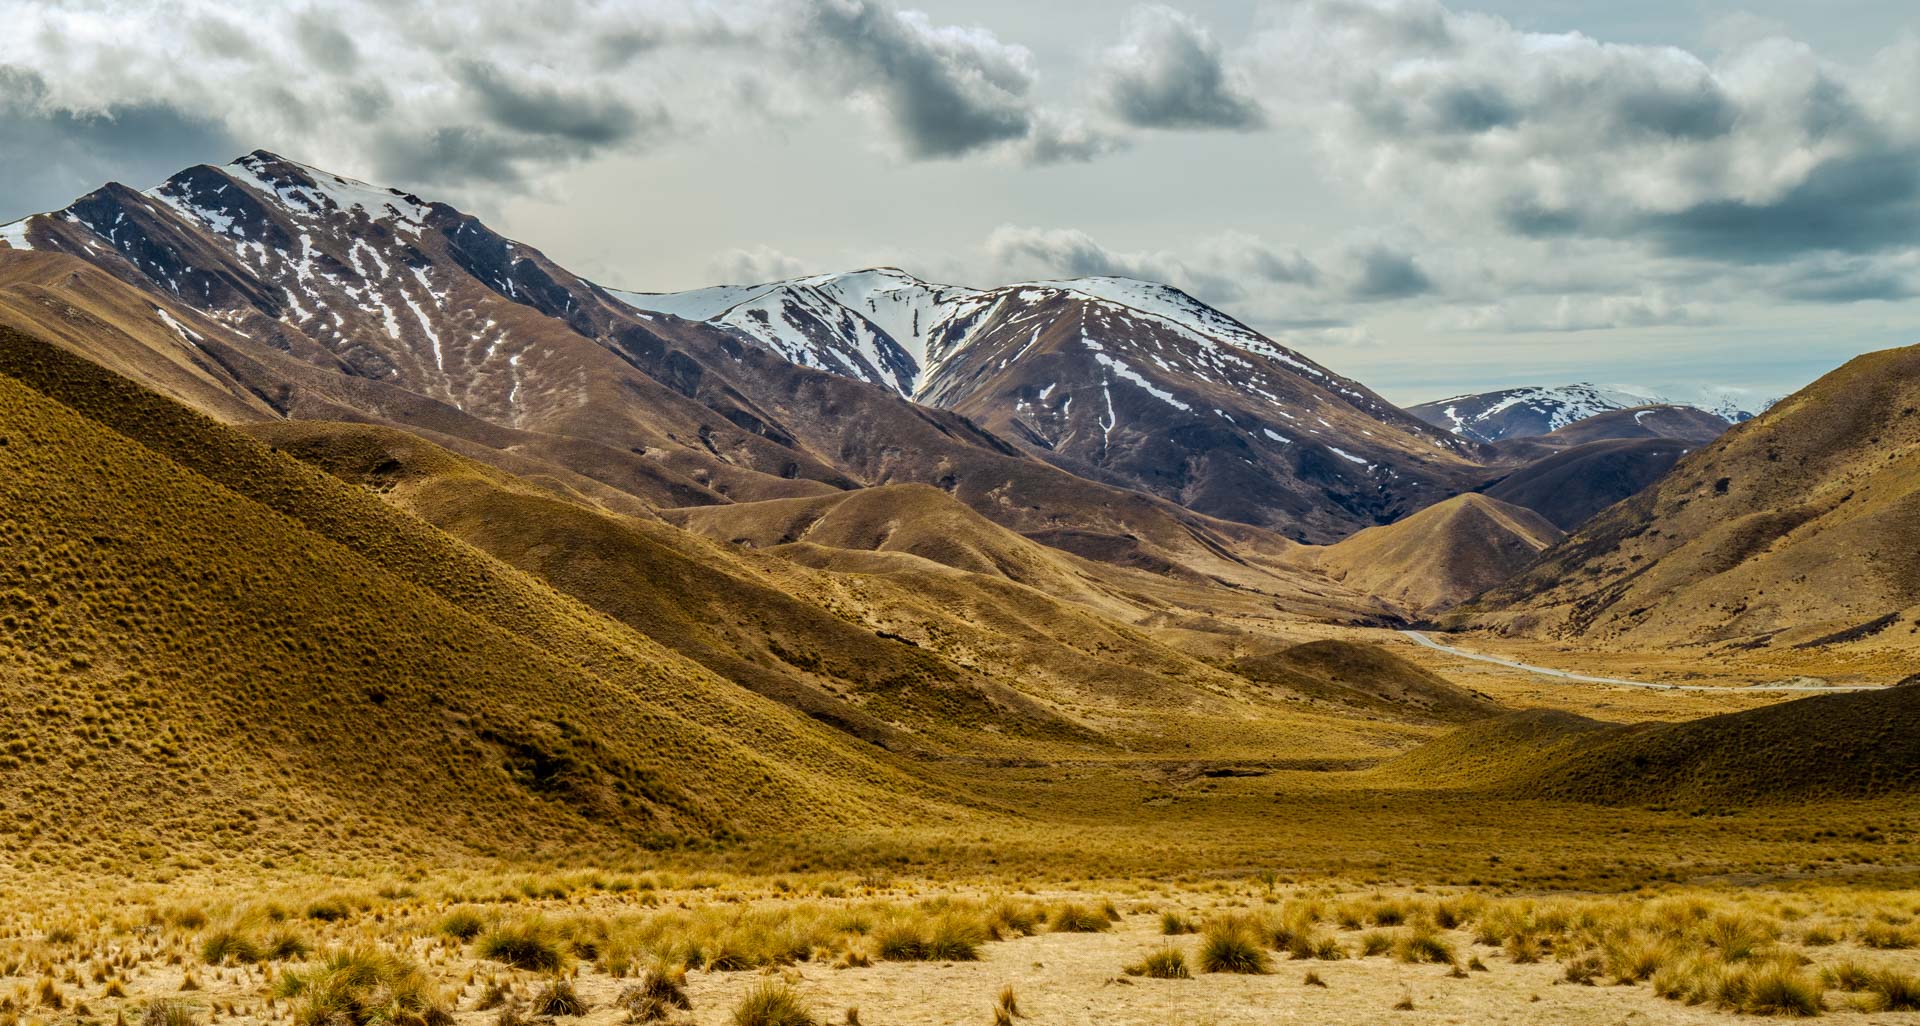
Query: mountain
[[1800, 528], [266, 289], [1523, 412], [1572, 485], [1665, 421], [1127, 382], [1441, 555]]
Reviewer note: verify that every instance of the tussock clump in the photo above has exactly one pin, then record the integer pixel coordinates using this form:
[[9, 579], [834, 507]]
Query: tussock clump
[[223, 946], [363, 987], [1422, 944], [462, 924], [165, 1012], [1770, 989], [1888, 937], [773, 1003], [1164, 964], [1232, 945], [1073, 918], [1173, 924], [661, 990], [522, 946], [557, 998]]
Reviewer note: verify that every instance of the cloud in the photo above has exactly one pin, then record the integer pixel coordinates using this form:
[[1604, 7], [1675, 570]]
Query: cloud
[[1574, 313], [755, 266], [1762, 154], [946, 91], [486, 98], [54, 153], [1169, 73], [1249, 276], [543, 109], [1384, 273]]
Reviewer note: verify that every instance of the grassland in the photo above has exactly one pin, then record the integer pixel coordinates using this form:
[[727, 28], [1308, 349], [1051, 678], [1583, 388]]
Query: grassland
[[685, 945], [324, 724]]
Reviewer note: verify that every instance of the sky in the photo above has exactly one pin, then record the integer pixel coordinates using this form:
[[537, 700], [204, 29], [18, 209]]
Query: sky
[[1431, 197]]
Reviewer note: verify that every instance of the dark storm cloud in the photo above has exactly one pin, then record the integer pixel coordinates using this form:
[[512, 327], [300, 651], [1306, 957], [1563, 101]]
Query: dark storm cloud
[[539, 109], [1169, 73], [51, 155], [1862, 204], [945, 92], [1384, 273]]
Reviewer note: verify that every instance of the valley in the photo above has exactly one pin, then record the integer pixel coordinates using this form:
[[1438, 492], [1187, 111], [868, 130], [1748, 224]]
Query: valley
[[396, 627]]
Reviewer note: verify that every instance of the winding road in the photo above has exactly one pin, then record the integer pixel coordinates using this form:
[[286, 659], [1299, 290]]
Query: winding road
[[1421, 639]]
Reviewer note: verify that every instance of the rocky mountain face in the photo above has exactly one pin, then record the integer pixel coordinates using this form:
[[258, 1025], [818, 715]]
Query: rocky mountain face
[[1526, 412], [1127, 382]]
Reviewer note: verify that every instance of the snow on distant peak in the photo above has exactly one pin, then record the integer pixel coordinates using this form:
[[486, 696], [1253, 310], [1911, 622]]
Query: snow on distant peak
[[1519, 412]]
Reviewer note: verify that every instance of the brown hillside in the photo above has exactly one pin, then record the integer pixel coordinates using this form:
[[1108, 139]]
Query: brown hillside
[[1441, 555], [1801, 527], [1365, 677], [1570, 486], [1840, 746], [181, 600]]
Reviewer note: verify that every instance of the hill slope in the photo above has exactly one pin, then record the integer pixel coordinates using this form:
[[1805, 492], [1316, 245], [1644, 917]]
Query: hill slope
[[1842, 746], [1571, 486], [1441, 555], [1801, 527], [181, 599]]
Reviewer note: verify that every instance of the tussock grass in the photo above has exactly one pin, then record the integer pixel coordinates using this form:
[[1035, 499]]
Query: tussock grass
[[1075, 918], [1167, 963], [558, 997], [462, 924], [1233, 945], [363, 987], [522, 946], [1422, 943], [661, 990], [774, 1003], [169, 1012]]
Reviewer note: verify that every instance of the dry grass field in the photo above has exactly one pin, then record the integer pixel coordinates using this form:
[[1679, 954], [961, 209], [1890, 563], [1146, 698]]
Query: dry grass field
[[715, 947]]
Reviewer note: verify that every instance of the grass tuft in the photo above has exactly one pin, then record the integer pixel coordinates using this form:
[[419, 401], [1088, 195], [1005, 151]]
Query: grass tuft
[[773, 1003], [1164, 964], [1232, 946]]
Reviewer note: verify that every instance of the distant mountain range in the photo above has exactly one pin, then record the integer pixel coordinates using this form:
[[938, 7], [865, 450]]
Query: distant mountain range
[[1123, 381], [1524, 412]]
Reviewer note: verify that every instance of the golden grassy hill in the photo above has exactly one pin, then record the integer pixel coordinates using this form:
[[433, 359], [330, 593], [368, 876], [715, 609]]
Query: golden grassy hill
[[1441, 555], [1798, 528], [1365, 677], [912, 518], [214, 651], [1842, 746], [891, 646]]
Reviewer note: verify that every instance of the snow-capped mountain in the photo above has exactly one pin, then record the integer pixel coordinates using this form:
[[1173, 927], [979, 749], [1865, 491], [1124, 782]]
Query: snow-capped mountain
[[1127, 381], [1525, 412], [297, 292]]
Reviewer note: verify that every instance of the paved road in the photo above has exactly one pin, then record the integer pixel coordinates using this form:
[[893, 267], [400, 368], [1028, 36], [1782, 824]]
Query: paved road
[[1421, 639]]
